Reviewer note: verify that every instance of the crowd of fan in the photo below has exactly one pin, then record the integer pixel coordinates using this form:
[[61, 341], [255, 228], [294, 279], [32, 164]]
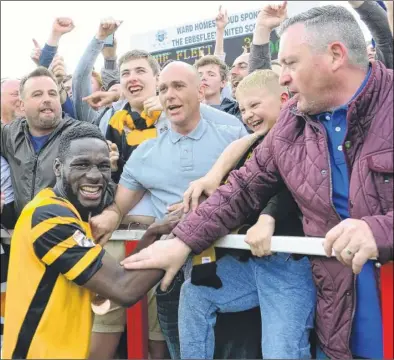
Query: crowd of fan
[[279, 147]]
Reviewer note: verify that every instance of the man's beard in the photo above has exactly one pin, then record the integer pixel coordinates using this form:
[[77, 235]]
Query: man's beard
[[83, 210]]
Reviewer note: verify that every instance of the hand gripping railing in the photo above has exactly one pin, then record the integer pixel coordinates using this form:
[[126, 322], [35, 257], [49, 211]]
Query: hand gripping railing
[[137, 320]]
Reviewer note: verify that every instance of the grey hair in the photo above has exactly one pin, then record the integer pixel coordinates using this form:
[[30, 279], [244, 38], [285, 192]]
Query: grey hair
[[327, 24]]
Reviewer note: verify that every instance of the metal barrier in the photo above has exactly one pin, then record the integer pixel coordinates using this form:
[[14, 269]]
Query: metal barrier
[[137, 319]]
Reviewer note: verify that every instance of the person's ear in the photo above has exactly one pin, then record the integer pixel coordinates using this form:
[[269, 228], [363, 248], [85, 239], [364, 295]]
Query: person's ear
[[338, 54], [284, 97], [57, 165]]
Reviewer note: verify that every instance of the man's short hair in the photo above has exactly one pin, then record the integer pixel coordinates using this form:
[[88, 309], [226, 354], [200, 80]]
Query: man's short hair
[[38, 72], [84, 130], [213, 60], [330, 23], [261, 79], [141, 54]]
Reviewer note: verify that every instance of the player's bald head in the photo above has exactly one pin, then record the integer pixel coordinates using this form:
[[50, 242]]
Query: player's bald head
[[178, 70]]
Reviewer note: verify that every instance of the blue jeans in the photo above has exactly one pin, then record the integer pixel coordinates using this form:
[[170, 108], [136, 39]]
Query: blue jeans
[[237, 334], [280, 285]]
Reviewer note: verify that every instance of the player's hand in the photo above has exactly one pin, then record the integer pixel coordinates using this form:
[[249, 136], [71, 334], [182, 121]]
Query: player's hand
[[169, 255], [104, 224]]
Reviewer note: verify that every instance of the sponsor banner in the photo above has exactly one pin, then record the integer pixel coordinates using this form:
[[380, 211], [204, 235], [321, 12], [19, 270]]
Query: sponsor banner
[[233, 46]]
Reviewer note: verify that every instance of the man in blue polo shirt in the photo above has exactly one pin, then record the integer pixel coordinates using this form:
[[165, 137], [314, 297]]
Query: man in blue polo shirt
[[367, 323], [166, 165]]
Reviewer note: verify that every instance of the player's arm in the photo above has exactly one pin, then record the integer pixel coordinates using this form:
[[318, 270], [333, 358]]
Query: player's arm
[[126, 287], [66, 249]]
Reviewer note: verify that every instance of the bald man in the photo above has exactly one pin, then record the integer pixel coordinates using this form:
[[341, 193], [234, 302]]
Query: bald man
[[166, 165], [10, 101]]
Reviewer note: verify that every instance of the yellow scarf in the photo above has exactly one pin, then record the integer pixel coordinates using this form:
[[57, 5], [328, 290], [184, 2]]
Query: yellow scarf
[[137, 128]]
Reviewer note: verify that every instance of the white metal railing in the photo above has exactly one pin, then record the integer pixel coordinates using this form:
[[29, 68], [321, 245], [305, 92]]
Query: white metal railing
[[287, 244]]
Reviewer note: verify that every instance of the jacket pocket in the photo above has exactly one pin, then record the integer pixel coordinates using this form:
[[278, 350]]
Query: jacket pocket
[[382, 168]]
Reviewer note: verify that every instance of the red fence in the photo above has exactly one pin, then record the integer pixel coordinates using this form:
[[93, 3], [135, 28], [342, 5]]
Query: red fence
[[137, 316]]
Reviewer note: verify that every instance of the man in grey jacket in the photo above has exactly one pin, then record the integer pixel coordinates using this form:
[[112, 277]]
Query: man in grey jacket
[[30, 145]]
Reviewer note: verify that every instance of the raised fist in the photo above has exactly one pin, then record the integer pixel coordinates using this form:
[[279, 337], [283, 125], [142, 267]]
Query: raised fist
[[62, 25], [107, 27], [271, 16]]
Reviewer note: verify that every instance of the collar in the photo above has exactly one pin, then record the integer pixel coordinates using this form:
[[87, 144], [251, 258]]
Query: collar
[[196, 134]]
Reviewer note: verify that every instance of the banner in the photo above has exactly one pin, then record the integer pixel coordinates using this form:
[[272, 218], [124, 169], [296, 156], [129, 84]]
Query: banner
[[190, 35], [233, 46], [188, 42]]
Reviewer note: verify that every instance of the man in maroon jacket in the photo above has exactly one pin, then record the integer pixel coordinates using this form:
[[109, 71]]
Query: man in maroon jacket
[[332, 147]]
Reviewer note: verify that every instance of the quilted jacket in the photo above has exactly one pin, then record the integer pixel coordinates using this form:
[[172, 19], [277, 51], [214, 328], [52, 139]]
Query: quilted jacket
[[295, 155]]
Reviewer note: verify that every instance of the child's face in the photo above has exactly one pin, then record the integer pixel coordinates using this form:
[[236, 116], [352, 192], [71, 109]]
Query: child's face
[[259, 108]]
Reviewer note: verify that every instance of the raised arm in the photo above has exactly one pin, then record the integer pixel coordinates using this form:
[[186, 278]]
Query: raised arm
[[270, 17], [60, 27], [390, 14], [223, 165], [110, 71], [375, 18], [126, 287], [81, 84], [221, 23]]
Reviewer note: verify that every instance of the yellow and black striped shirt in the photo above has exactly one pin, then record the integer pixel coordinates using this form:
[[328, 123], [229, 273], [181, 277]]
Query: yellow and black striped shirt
[[48, 313]]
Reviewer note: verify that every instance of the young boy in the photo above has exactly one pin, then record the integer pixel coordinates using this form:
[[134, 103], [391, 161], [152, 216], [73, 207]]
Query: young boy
[[279, 283]]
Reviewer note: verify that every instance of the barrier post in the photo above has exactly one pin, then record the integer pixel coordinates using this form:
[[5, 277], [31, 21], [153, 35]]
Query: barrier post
[[137, 321], [387, 288]]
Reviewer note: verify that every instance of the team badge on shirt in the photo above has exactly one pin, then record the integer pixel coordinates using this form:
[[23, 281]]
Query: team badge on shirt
[[82, 240]]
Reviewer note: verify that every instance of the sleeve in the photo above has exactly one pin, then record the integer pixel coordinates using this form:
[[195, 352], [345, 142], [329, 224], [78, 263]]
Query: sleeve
[[247, 191], [68, 107], [6, 184], [382, 229], [5, 129], [280, 206], [260, 57], [62, 244], [376, 20], [110, 72], [47, 54], [81, 84], [131, 168]]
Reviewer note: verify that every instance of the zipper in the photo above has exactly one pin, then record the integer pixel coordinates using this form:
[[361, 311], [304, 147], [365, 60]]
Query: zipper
[[339, 218], [329, 166], [36, 156], [33, 183]]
